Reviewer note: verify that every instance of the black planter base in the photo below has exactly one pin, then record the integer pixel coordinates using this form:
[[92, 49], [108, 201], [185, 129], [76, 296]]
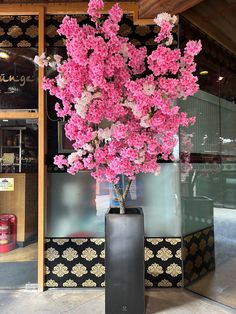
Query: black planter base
[[124, 262]]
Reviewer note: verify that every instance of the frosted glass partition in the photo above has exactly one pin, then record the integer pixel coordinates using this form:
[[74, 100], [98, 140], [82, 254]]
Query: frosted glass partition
[[208, 165], [77, 204]]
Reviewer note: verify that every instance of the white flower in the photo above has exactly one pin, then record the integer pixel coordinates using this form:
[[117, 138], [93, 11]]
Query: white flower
[[169, 41], [61, 82], [149, 89], [57, 59], [80, 152], [128, 103], [73, 157], [54, 61], [97, 95], [88, 147], [141, 158], [41, 61], [90, 88], [157, 172], [81, 104], [124, 50], [165, 17], [145, 121], [104, 133]]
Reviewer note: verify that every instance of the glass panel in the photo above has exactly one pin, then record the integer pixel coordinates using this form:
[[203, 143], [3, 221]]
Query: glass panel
[[208, 173], [18, 203], [77, 204], [18, 73]]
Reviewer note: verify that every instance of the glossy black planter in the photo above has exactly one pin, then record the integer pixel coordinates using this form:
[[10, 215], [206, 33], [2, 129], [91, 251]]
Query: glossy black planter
[[125, 262]]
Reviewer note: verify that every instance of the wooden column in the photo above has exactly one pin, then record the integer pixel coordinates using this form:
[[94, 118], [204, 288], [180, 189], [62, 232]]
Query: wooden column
[[41, 155]]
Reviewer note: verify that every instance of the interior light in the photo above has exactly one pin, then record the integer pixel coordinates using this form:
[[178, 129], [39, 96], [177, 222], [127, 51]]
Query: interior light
[[5, 120], [220, 78], [204, 72], [4, 55]]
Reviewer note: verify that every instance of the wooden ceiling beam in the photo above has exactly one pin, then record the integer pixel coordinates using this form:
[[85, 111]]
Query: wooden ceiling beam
[[150, 8]]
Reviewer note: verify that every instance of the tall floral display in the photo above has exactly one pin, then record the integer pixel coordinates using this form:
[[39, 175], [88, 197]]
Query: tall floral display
[[118, 101]]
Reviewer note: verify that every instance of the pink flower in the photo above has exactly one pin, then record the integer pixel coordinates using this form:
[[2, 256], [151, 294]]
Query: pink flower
[[60, 161], [120, 119], [193, 48], [93, 7]]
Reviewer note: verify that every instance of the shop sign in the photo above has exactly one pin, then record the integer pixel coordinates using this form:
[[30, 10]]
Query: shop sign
[[6, 184]]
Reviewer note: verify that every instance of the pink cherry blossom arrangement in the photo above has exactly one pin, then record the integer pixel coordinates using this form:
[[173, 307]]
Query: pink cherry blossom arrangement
[[119, 102]]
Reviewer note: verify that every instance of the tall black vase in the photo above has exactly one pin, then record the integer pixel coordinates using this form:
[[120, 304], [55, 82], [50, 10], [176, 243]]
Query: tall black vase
[[124, 262]]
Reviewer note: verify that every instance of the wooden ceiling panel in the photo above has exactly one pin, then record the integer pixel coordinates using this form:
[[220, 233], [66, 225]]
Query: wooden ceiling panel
[[217, 18], [150, 8]]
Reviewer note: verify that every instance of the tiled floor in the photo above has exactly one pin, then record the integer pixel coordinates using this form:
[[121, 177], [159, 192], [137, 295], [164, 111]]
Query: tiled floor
[[165, 301], [22, 254], [220, 285]]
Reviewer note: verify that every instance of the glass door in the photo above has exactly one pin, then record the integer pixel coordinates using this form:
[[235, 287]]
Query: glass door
[[18, 203]]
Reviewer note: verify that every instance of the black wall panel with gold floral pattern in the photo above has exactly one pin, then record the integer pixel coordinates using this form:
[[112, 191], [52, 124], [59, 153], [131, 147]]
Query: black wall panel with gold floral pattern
[[78, 262], [18, 31], [22, 31], [198, 254]]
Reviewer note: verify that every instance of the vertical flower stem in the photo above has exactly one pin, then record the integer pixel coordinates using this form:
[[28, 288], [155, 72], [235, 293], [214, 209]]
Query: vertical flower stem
[[122, 197]]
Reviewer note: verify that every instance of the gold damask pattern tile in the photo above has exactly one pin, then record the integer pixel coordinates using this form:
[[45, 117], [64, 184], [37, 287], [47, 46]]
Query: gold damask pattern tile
[[79, 241], [102, 255], [24, 43], [60, 270], [98, 241], [98, 270], [79, 270], [148, 254], [51, 283], [174, 270], [89, 254], [89, 283], [164, 254], [6, 44], [51, 254], [148, 283], [24, 18], [155, 270], [81, 262], [60, 241], [165, 283], [70, 254], [32, 31], [6, 19], [69, 284], [15, 31]]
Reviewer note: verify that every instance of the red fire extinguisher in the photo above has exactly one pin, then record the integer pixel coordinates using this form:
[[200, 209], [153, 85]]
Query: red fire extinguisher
[[4, 231], [7, 232]]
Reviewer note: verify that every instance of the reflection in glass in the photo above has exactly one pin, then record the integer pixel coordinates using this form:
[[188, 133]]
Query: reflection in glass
[[18, 79]]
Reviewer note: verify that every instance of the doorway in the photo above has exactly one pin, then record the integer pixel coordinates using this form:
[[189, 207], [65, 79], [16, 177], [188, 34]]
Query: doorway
[[18, 203]]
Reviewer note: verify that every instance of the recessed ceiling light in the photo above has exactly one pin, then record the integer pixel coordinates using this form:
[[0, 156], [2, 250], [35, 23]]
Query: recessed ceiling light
[[204, 72], [220, 78], [4, 55]]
